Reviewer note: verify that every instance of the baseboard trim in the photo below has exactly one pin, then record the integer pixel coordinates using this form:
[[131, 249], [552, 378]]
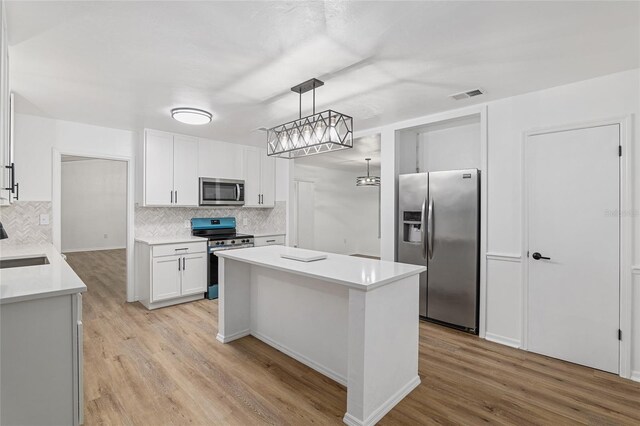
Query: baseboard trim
[[94, 249], [232, 337], [635, 376], [503, 257], [507, 341], [383, 409], [301, 358]]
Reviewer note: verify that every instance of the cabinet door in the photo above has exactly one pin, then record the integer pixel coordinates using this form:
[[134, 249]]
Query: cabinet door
[[268, 179], [165, 280], [185, 170], [219, 159], [158, 165], [252, 177], [194, 273]]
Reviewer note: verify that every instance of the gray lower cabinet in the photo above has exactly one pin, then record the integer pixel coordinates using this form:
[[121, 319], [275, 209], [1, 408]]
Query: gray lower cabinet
[[41, 361]]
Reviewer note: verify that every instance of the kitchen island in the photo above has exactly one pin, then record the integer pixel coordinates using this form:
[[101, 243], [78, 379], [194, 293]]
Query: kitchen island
[[352, 319]]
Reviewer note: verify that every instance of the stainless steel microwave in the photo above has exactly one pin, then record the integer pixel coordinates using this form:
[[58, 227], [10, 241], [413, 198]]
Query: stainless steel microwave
[[221, 192]]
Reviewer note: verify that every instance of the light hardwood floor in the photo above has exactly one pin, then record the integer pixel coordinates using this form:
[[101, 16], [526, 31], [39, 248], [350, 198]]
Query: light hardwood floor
[[165, 367]]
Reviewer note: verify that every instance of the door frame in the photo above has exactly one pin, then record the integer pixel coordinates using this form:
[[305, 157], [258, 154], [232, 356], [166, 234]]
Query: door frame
[[625, 231], [56, 205]]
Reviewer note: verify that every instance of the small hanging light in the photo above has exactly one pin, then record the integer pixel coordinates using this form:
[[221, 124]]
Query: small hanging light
[[368, 180], [326, 131]]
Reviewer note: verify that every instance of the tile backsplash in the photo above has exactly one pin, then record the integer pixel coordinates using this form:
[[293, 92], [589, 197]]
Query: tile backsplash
[[161, 221], [21, 220]]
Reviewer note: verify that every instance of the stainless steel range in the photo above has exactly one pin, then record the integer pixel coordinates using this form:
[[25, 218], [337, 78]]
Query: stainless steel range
[[222, 235]]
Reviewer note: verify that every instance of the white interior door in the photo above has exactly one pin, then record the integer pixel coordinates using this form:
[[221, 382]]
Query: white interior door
[[573, 201], [305, 223]]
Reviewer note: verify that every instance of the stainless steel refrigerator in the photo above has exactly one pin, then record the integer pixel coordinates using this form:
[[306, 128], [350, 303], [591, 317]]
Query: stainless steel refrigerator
[[439, 226]]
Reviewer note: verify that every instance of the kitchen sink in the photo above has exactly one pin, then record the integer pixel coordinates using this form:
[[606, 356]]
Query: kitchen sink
[[23, 261]]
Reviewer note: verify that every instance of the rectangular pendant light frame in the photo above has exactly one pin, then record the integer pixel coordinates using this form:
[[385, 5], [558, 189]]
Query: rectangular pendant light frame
[[326, 131]]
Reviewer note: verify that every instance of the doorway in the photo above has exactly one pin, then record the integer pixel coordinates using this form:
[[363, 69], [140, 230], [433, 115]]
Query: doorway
[[304, 218], [93, 219], [572, 185]]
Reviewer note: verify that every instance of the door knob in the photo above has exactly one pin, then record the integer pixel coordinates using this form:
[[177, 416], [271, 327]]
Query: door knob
[[538, 256]]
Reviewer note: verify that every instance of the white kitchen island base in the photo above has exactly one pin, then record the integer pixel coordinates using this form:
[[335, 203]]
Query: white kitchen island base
[[354, 320]]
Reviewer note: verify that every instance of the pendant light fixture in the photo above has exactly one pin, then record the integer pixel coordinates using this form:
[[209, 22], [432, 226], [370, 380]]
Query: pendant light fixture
[[368, 180], [326, 131]]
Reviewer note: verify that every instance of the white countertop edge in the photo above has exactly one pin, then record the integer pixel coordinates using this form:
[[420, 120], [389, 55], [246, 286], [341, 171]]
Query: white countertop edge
[[43, 295], [156, 241], [363, 287]]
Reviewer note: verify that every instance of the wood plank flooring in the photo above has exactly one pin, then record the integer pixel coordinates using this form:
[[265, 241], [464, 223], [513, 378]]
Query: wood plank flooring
[[165, 367]]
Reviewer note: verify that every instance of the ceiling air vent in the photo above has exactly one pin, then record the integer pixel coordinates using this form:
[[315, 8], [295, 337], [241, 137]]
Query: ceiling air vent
[[467, 94]]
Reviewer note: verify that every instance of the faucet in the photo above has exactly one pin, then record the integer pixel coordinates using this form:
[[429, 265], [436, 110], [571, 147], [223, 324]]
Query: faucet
[[3, 233]]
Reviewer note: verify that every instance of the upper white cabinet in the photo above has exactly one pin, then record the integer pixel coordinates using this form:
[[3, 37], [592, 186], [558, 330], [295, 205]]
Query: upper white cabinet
[[8, 186], [259, 178], [170, 171], [220, 160]]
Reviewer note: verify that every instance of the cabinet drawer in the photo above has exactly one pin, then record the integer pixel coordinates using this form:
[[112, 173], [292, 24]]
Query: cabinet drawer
[[178, 249], [269, 241]]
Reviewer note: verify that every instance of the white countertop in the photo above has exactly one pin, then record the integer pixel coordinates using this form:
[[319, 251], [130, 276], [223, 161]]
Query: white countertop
[[39, 281], [171, 239], [351, 271]]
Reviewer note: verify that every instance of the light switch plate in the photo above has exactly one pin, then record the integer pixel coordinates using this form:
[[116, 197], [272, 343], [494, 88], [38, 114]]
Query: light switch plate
[[44, 219]]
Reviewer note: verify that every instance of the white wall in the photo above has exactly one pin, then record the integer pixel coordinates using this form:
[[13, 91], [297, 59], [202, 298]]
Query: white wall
[[453, 145], [94, 205], [601, 98], [345, 216], [36, 136]]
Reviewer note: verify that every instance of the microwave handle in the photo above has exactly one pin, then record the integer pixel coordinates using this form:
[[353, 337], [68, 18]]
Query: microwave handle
[[237, 192]]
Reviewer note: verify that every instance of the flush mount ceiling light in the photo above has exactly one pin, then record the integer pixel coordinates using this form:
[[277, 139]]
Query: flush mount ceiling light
[[191, 115], [326, 131], [368, 180]]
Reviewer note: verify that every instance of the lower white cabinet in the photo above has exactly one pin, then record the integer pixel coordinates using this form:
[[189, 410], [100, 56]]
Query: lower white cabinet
[[269, 240], [41, 361], [167, 274]]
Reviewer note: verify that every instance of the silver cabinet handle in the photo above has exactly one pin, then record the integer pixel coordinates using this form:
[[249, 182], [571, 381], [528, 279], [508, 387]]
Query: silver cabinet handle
[[423, 229], [430, 220], [171, 196], [176, 197], [184, 265], [271, 241], [183, 248], [179, 265]]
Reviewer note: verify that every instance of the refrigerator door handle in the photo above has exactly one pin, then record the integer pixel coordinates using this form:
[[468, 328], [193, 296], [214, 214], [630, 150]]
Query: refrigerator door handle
[[430, 230], [423, 229]]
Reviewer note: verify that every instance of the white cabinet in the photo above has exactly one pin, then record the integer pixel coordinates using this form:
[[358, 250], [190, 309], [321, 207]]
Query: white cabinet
[[259, 178], [167, 274], [8, 186], [219, 160], [269, 240], [166, 278], [41, 361], [194, 274], [170, 171]]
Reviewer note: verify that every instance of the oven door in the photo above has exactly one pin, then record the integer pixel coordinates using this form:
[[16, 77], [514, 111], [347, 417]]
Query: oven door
[[221, 192], [214, 278]]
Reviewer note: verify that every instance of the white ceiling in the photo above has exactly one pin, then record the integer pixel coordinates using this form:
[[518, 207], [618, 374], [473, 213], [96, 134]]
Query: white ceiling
[[352, 159], [126, 64]]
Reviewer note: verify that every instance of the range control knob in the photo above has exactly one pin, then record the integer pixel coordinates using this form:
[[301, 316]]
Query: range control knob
[[233, 241], [218, 243]]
